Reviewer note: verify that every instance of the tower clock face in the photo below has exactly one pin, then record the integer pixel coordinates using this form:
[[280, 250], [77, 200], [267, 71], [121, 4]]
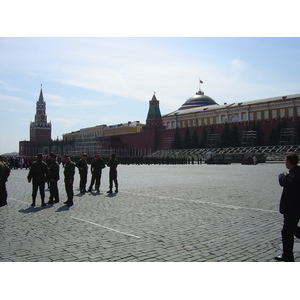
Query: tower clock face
[[42, 117]]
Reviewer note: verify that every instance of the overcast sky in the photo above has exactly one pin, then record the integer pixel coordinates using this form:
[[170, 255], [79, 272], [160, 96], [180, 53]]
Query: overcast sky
[[90, 81]]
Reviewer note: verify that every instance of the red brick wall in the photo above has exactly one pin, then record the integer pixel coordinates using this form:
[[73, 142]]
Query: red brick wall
[[157, 138]]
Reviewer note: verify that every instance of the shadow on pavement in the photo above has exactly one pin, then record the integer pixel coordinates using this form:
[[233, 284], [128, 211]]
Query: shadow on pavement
[[63, 208], [34, 209], [111, 195]]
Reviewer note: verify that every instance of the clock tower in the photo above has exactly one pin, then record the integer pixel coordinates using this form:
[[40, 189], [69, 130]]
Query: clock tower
[[40, 129]]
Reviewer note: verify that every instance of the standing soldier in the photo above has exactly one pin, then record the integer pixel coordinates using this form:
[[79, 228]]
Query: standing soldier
[[96, 169], [82, 167], [38, 173], [3, 179], [53, 178], [69, 179], [48, 162], [112, 164]]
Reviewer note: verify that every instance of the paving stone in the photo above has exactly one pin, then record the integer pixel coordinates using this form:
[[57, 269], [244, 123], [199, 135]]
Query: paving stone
[[161, 213]]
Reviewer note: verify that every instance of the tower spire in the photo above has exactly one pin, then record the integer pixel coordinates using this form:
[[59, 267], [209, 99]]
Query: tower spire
[[41, 97]]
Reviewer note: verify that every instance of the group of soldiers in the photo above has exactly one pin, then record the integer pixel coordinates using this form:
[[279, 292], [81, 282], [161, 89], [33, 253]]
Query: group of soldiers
[[42, 172]]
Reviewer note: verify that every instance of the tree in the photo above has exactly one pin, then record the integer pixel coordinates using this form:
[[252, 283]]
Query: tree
[[187, 139], [274, 137], [177, 144], [203, 139], [234, 136], [226, 136], [259, 133], [195, 139]]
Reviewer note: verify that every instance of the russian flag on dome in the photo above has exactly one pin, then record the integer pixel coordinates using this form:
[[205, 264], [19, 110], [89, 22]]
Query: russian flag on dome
[[201, 81]]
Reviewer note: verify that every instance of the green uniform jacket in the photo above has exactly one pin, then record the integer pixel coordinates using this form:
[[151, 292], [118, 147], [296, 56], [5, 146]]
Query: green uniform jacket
[[38, 171], [69, 171], [82, 166]]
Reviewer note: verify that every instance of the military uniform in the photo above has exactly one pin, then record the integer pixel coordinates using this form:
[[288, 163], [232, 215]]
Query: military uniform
[[96, 169], [83, 169], [38, 174], [53, 178], [3, 180], [69, 173], [113, 163]]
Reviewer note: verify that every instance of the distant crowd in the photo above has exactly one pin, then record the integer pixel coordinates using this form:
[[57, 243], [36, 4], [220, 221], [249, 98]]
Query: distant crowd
[[26, 162]]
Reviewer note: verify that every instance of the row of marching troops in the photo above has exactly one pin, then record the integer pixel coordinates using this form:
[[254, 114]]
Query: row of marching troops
[[41, 172]]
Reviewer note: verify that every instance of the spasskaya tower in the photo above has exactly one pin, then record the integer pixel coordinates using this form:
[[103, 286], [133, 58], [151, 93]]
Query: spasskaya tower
[[40, 129]]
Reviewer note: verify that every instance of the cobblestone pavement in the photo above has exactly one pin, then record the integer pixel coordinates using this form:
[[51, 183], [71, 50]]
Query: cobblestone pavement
[[162, 213]]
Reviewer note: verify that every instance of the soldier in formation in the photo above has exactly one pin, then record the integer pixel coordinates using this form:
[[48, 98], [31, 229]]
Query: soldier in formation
[[112, 164], [96, 169], [69, 173], [38, 174], [53, 179], [4, 174], [83, 169]]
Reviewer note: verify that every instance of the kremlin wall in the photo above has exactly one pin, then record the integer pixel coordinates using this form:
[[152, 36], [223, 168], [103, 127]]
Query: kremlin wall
[[199, 123], [272, 121]]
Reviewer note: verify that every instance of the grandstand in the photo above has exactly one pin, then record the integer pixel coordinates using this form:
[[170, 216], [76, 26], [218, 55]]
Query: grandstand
[[272, 153]]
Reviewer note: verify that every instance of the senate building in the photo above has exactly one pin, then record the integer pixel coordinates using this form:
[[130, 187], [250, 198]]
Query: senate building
[[201, 110]]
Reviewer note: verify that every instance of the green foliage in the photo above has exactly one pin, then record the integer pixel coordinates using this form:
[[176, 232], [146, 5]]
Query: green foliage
[[274, 137], [187, 142], [235, 136], [177, 144], [195, 139], [259, 133], [225, 136], [203, 139]]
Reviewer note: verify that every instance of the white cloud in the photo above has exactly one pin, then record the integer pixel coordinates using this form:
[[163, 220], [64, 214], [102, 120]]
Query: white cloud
[[10, 99], [65, 122]]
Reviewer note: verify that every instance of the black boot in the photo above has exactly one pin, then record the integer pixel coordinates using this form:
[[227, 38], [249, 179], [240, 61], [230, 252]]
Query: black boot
[[33, 202]]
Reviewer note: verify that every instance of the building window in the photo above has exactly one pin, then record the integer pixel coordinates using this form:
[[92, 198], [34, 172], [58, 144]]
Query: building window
[[258, 115], [291, 112], [298, 111], [244, 116], [282, 113], [200, 122], [234, 118], [251, 116], [223, 119], [266, 113], [205, 121], [211, 120], [274, 113]]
